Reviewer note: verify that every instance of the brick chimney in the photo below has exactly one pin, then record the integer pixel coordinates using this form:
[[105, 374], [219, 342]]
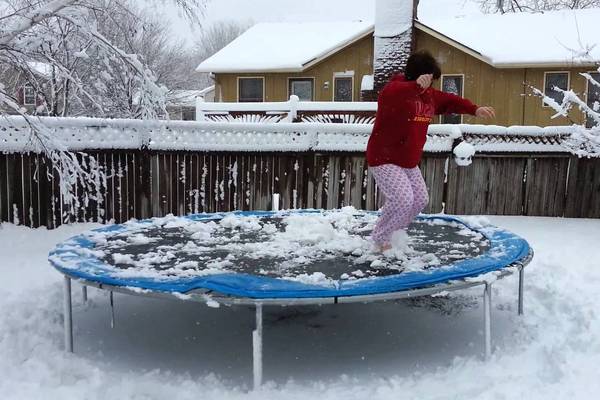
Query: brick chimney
[[394, 41]]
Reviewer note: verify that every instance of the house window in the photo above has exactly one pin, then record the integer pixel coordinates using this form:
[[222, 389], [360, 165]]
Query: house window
[[343, 88], [552, 80], [452, 84], [28, 95], [302, 87], [251, 90], [593, 97]]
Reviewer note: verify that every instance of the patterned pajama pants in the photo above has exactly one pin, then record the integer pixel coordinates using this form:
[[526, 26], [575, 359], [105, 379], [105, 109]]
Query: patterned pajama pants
[[405, 197]]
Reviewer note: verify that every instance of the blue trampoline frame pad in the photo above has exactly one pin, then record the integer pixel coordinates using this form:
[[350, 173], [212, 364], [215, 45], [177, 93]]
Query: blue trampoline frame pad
[[506, 250]]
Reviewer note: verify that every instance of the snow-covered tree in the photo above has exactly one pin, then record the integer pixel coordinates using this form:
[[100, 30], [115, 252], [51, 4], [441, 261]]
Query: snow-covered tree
[[503, 6], [583, 141], [63, 34], [213, 38], [135, 31]]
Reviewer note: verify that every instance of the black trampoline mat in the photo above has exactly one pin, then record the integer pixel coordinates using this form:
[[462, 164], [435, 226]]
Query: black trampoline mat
[[269, 246]]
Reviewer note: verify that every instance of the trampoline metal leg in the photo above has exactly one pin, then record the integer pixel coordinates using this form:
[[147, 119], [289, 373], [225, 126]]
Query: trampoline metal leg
[[84, 294], [521, 278], [257, 345], [487, 319], [68, 315], [112, 310]]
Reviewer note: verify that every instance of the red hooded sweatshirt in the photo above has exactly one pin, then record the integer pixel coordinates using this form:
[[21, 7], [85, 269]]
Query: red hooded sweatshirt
[[404, 113]]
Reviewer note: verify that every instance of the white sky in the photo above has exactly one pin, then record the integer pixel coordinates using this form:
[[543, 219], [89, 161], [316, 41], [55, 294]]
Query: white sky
[[305, 10]]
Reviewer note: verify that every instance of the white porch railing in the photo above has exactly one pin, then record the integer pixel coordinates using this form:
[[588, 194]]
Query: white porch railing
[[286, 111]]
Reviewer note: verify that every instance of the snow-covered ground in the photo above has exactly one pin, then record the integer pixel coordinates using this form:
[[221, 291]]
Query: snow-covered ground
[[425, 349]]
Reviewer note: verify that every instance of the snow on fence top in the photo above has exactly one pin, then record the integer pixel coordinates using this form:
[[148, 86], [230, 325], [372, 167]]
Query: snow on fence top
[[95, 134]]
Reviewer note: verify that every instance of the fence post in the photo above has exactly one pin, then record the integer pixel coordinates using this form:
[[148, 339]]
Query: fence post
[[569, 207], [200, 115], [447, 170], [275, 202], [293, 113], [144, 193]]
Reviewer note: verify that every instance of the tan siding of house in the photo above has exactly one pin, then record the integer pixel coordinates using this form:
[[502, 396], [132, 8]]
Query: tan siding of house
[[357, 57], [483, 84], [504, 89]]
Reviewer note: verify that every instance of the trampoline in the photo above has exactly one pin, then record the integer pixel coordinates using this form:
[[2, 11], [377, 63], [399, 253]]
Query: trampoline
[[300, 257]]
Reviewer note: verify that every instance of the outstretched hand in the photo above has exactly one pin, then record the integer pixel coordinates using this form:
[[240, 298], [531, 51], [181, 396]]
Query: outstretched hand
[[485, 112]]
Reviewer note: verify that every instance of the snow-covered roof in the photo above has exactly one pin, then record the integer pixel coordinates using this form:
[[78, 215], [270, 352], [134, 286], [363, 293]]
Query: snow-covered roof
[[284, 46], [40, 68], [502, 40], [525, 39]]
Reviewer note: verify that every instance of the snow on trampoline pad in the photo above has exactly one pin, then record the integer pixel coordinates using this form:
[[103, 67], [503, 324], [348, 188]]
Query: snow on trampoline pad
[[291, 254]]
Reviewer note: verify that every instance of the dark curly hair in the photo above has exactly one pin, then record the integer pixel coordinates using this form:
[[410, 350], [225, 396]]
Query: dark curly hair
[[421, 63]]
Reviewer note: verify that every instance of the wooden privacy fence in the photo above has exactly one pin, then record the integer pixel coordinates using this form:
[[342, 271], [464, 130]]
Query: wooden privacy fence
[[144, 184], [148, 182]]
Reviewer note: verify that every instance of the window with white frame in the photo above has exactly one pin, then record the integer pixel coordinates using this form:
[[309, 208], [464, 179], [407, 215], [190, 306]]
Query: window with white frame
[[302, 87], [452, 84], [251, 90], [554, 80], [343, 88], [593, 97], [29, 95]]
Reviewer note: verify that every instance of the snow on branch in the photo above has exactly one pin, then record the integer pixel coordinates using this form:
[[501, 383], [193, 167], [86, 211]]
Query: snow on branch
[[49, 46], [151, 96], [75, 170], [584, 142], [504, 6], [32, 18]]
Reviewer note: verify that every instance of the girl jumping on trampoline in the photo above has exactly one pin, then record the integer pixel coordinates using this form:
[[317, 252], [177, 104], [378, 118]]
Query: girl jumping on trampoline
[[406, 107]]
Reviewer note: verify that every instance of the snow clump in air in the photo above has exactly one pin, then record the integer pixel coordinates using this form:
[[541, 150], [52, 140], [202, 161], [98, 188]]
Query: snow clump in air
[[463, 154]]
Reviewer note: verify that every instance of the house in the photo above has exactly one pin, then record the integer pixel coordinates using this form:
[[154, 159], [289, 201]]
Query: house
[[28, 86], [492, 59]]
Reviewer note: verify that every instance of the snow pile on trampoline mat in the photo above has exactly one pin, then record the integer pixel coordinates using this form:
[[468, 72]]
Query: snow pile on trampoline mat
[[246, 253]]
